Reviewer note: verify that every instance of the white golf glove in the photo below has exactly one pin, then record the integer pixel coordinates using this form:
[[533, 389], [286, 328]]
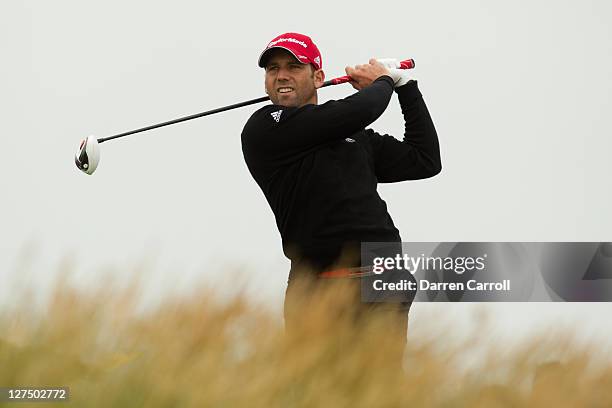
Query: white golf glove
[[400, 76], [389, 63]]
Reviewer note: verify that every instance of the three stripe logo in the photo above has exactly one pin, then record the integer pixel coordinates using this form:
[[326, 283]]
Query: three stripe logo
[[276, 115]]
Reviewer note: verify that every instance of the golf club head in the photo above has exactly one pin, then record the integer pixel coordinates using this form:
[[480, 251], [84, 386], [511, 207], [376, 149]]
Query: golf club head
[[88, 155]]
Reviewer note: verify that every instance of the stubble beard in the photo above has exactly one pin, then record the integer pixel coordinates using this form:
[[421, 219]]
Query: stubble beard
[[299, 100]]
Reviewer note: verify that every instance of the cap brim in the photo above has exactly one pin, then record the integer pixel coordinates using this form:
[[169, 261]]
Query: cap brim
[[263, 54]]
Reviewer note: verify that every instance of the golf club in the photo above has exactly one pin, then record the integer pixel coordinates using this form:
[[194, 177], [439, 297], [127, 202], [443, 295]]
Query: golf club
[[87, 156]]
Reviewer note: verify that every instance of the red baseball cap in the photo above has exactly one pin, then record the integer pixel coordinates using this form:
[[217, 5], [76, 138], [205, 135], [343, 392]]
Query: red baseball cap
[[300, 45]]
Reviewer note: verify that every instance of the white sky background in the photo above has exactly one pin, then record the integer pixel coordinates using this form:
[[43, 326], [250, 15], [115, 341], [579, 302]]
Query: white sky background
[[520, 93]]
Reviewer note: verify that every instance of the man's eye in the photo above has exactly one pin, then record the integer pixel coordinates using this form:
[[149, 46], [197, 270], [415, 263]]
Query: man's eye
[[271, 68]]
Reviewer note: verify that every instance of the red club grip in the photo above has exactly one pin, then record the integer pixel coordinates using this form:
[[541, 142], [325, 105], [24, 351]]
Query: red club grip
[[406, 64]]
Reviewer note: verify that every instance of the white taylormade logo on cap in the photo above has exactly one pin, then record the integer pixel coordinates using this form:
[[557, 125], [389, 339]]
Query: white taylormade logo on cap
[[293, 40], [317, 60], [276, 115]]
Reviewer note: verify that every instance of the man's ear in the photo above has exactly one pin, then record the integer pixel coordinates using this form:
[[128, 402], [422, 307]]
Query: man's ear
[[319, 78]]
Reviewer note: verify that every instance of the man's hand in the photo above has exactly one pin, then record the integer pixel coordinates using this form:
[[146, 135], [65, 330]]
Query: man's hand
[[400, 76], [364, 75]]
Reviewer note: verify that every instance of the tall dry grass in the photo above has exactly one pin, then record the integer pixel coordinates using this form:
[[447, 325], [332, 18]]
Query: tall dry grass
[[201, 351]]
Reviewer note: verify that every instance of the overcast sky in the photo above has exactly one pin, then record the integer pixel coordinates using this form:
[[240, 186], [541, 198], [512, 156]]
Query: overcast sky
[[520, 93]]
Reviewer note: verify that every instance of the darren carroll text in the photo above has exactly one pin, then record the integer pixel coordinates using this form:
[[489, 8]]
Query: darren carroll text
[[424, 284]]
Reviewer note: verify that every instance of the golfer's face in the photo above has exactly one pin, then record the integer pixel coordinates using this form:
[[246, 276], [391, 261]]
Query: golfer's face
[[289, 82]]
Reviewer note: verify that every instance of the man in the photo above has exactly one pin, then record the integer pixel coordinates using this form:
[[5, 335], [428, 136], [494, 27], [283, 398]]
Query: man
[[318, 166]]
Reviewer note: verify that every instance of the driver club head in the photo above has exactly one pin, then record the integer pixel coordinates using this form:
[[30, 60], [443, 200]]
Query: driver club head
[[88, 155]]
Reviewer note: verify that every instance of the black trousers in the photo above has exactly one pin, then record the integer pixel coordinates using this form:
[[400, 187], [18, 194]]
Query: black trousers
[[305, 289]]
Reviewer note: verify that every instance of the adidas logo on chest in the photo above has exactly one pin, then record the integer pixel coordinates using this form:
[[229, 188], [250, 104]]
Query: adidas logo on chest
[[276, 115]]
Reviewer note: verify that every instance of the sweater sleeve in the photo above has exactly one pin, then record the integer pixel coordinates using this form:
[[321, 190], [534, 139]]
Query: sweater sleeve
[[278, 133], [417, 156]]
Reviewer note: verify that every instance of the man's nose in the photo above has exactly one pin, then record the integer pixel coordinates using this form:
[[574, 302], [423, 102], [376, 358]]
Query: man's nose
[[283, 74]]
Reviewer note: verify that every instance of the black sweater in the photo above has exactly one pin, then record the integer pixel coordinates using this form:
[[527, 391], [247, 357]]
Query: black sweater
[[318, 167]]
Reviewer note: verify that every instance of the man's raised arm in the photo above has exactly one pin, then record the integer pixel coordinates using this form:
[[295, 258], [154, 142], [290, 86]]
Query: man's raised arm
[[279, 132], [417, 156]]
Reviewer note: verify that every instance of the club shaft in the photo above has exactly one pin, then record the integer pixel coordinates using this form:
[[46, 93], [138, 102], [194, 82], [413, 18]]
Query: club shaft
[[407, 64], [184, 118]]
